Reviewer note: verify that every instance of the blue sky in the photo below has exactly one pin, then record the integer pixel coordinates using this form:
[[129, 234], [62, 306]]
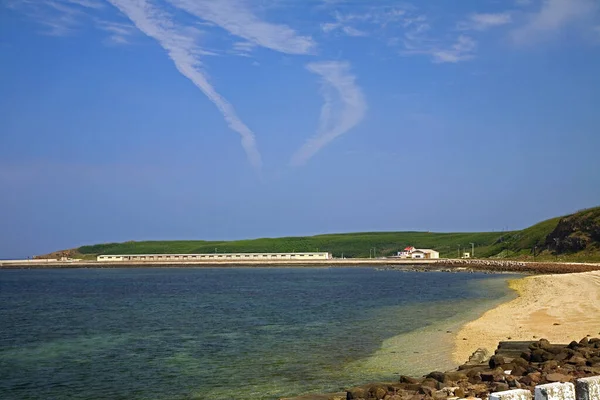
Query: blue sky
[[225, 119]]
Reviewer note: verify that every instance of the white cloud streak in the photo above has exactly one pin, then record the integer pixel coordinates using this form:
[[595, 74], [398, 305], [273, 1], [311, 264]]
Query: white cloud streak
[[119, 33], [461, 50], [184, 52], [236, 17], [553, 16], [482, 22], [417, 42], [343, 109]]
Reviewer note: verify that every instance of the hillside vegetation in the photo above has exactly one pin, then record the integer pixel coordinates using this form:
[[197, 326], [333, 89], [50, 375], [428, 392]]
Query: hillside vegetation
[[575, 237]]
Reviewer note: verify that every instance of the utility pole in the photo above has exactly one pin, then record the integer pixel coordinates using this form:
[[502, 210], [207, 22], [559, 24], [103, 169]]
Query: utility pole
[[215, 250], [370, 249], [473, 250], [374, 250], [534, 249], [459, 251]]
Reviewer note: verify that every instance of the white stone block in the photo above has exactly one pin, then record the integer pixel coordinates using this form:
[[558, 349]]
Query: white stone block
[[588, 388], [555, 391], [516, 394]]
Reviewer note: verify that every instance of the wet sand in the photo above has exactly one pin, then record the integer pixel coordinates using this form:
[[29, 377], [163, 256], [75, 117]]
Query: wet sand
[[560, 308]]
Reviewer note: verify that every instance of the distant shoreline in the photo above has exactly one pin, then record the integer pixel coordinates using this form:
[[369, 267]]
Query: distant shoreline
[[451, 265]]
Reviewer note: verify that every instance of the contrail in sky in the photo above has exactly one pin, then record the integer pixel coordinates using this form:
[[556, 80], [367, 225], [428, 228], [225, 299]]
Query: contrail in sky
[[185, 53], [343, 109]]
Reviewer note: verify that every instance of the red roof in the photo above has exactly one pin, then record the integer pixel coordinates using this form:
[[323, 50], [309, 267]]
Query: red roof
[[409, 248]]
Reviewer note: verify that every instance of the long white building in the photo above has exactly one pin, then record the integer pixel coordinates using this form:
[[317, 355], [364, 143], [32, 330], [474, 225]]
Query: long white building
[[216, 257]]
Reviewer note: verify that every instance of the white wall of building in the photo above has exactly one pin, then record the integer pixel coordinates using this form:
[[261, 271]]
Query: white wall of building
[[216, 257]]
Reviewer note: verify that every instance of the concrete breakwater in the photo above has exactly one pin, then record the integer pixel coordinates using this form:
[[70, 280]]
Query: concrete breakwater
[[421, 265], [517, 371]]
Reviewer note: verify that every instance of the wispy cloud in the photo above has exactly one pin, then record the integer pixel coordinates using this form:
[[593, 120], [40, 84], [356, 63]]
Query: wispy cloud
[[59, 18], [360, 24], [418, 41], [185, 53], [552, 17], [238, 19], [344, 107], [461, 50], [87, 3], [119, 32], [482, 22], [243, 48]]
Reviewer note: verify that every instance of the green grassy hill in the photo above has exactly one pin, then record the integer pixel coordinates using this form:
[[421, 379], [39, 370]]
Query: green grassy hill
[[574, 237]]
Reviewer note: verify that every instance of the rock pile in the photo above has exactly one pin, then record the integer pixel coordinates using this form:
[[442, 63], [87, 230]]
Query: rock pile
[[517, 266], [539, 363]]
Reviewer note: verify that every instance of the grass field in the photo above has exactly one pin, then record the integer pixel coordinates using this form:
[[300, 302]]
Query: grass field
[[512, 244]]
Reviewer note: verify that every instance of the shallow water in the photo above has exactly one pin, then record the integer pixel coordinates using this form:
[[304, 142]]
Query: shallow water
[[225, 333]]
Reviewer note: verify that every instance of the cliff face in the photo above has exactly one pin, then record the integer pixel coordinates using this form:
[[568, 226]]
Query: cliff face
[[577, 232]]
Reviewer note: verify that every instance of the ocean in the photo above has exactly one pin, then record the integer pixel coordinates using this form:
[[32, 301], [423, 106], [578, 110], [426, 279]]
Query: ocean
[[227, 333]]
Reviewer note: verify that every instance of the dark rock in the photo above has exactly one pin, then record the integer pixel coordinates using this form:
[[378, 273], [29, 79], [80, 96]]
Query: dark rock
[[512, 382], [575, 360], [573, 345], [549, 365], [561, 356], [537, 355], [526, 355], [487, 376], [356, 393], [408, 379], [438, 376], [519, 361], [496, 361], [592, 361], [584, 342], [518, 371]]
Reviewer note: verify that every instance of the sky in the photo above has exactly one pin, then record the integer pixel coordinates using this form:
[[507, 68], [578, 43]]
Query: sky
[[231, 119]]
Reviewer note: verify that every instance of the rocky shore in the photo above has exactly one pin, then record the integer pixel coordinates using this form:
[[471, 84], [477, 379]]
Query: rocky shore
[[514, 365]]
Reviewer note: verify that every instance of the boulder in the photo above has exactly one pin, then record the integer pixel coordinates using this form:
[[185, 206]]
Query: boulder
[[549, 365], [496, 361], [356, 393], [377, 392], [575, 360], [500, 387], [518, 371], [408, 379], [438, 376], [557, 377], [430, 382], [427, 391], [455, 376]]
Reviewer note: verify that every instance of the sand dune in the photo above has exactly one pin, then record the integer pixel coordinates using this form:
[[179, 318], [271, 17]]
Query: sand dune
[[560, 308]]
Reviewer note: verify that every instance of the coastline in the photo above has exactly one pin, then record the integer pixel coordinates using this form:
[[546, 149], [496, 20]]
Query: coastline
[[560, 308], [424, 265], [431, 347]]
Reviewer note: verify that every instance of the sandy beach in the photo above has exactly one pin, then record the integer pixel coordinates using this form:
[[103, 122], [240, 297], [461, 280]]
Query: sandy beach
[[560, 308]]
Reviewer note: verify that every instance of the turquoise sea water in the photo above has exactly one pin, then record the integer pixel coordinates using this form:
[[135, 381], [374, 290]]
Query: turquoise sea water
[[222, 333]]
